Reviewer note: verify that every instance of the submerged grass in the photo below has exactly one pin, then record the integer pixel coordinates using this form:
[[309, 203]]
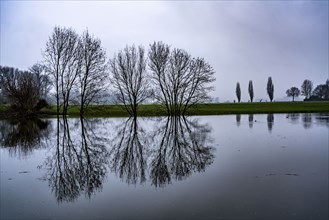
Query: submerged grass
[[201, 109]]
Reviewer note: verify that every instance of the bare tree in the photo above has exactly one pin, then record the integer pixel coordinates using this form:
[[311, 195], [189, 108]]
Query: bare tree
[[183, 80], [293, 92], [270, 88], [251, 90], [93, 73], [5, 73], [69, 77], [129, 78], [238, 92], [42, 79], [21, 91], [63, 62], [306, 88], [158, 59], [322, 91]]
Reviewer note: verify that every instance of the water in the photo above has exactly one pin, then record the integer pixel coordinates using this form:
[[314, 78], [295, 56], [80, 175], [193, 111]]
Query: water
[[235, 166]]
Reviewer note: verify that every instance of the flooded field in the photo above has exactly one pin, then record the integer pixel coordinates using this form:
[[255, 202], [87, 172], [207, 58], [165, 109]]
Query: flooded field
[[230, 166]]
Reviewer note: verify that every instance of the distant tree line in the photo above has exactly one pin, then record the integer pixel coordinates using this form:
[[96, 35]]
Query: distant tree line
[[321, 92], [76, 69]]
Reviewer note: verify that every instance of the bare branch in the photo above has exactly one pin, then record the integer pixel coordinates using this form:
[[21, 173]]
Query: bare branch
[[129, 78], [93, 74], [183, 80]]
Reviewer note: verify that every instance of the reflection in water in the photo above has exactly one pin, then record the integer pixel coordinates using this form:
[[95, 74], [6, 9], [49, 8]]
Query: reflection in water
[[307, 120], [183, 147], [238, 119], [293, 117], [21, 137], [78, 165], [128, 153], [292, 170], [173, 149], [251, 120], [270, 122], [322, 119]]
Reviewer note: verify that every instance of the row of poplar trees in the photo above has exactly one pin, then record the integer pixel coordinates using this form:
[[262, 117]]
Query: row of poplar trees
[[269, 89]]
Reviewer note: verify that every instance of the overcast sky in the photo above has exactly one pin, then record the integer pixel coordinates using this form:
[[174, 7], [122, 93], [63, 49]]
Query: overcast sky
[[242, 40]]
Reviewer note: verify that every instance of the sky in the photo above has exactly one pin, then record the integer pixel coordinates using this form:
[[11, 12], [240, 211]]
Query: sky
[[241, 40]]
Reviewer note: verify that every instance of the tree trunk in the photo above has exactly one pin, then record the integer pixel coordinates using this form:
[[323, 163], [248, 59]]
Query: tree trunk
[[81, 108]]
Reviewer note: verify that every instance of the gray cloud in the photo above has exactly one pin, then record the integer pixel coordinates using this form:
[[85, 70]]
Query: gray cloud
[[243, 41]]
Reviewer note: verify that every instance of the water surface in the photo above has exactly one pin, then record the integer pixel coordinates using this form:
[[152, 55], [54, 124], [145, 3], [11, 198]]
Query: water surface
[[235, 166]]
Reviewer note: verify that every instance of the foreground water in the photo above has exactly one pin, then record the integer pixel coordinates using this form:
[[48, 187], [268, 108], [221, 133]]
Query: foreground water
[[236, 166]]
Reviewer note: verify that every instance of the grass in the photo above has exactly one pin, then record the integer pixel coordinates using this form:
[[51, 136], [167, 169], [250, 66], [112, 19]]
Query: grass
[[3, 109], [258, 108], [201, 109], [109, 111]]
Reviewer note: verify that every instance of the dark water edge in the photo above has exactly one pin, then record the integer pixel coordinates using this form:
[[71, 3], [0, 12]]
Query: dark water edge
[[235, 166]]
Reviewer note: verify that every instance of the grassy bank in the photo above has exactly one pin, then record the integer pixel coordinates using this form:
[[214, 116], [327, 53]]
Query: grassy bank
[[202, 109], [258, 108]]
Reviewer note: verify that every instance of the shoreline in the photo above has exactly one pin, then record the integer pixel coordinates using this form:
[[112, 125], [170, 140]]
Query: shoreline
[[154, 110]]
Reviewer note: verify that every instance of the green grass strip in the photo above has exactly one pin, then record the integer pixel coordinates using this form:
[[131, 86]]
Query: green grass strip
[[201, 109]]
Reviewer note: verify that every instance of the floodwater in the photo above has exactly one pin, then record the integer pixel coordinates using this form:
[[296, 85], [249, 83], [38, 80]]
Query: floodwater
[[211, 167]]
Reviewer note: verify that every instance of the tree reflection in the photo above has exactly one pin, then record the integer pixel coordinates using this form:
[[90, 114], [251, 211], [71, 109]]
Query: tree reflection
[[270, 122], [21, 137], [238, 119], [322, 118], [128, 153], [78, 165], [184, 147], [251, 120], [307, 120], [175, 149], [293, 117]]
